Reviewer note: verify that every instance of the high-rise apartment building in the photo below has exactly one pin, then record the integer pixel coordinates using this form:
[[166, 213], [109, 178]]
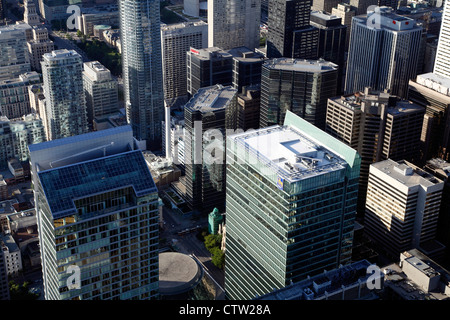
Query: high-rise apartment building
[[101, 90], [300, 86], [210, 66], [177, 39], [97, 209], [290, 35], [16, 135], [383, 53], [14, 95], [402, 206], [233, 23], [378, 125], [441, 65], [140, 37], [14, 58], [291, 203], [205, 117], [64, 94]]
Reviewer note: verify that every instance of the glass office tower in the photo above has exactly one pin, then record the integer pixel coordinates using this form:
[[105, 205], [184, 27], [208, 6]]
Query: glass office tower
[[140, 37], [291, 201], [97, 209]]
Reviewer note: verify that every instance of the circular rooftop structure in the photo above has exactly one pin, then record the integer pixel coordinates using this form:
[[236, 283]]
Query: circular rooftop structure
[[178, 273]]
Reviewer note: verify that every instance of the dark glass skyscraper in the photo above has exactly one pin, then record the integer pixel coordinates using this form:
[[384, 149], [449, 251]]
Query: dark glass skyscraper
[[290, 34], [301, 86], [140, 36], [206, 122]]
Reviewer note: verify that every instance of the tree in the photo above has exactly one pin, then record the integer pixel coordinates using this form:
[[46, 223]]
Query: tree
[[218, 257], [79, 33], [20, 292], [212, 241]]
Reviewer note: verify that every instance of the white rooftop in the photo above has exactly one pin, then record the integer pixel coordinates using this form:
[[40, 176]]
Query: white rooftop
[[301, 65], [211, 98], [406, 174], [294, 156]]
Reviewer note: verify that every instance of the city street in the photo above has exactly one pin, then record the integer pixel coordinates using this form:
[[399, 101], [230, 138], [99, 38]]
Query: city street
[[189, 243], [63, 43]]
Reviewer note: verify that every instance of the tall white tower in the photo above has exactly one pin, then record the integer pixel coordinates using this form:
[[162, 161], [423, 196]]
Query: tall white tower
[[441, 65], [140, 36]]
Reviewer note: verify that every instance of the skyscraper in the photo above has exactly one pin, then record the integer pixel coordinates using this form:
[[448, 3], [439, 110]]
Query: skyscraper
[[14, 58], [346, 13], [291, 202], [101, 90], [140, 37], [64, 95], [432, 92], [97, 209], [300, 86], [441, 65], [210, 66], [14, 96], [331, 41], [290, 35], [177, 39], [383, 53], [233, 23], [65, 109], [205, 119], [378, 125], [17, 134]]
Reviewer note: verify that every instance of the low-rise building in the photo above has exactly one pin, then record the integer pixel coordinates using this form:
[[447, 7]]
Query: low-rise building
[[11, 253], [416, 277]]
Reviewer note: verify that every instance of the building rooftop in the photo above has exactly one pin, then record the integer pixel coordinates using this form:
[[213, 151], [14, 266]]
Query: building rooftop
[[385, 18], [396, 106], [301, 65], [420, 285], [65, 184], [435, 82], [289, 153], [406, 173], [59, 54], [211, 53], [211, 98], [182, 25], [178, 273], [53, 153], [323, 284]]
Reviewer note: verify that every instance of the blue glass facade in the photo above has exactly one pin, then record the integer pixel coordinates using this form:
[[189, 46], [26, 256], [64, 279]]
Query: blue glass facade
[[101, 216]]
